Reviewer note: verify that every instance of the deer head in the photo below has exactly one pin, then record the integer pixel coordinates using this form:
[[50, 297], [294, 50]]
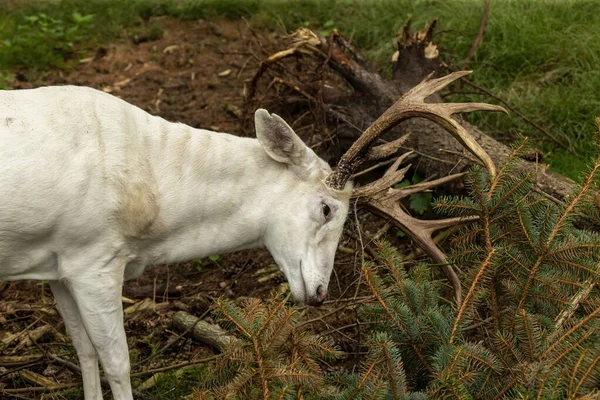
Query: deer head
[[305, 224], [384, 200], [304, 230]]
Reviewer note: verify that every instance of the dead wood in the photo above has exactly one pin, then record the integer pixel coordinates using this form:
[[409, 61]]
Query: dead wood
[[12, 307], [144, 305], [18, 360], [375, 106], [37, 379], [477, 42], [202, 331], [438, 154], [26, 336]]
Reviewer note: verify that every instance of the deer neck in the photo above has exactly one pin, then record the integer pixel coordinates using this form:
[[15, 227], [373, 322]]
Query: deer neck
[[213, 192]]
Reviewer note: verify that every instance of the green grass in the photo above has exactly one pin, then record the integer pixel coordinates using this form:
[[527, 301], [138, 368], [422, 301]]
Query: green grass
[[540, 56], [177, 384], [40, 40]]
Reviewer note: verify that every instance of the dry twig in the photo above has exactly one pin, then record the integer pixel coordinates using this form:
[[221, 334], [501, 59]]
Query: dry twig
[[477, 42]]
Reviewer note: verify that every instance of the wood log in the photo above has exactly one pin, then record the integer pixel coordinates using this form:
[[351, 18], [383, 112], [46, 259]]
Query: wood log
[[202, 331], [439, 154]]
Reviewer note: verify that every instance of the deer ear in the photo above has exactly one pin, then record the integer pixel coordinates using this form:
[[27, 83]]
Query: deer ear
[[279, 140]]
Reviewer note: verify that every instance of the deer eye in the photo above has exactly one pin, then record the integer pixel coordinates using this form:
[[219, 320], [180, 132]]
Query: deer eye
[[326, 210]]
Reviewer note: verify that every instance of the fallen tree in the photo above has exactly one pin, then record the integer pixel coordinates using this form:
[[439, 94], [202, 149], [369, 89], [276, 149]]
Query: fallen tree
[[346, 95]]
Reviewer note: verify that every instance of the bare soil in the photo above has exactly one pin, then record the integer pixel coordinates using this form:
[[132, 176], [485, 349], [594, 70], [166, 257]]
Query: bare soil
[[197, 73]]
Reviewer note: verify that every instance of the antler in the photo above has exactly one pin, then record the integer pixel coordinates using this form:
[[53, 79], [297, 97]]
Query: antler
[[412, 104], [386, 203], [384, 200]]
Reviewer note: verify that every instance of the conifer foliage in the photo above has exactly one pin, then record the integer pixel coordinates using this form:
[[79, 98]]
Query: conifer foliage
[[532, 306], [274, 358], [528, 325]]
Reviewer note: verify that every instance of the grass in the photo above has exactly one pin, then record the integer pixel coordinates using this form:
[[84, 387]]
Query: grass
[[540, 56], [177, 384]]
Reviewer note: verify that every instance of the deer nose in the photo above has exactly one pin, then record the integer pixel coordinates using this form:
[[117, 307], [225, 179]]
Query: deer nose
[[321, 293], [319, 296]]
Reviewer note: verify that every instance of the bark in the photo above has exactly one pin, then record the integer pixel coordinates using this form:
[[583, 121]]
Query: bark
[[439, 153], [202, 331], [434, 142], [371, 94]]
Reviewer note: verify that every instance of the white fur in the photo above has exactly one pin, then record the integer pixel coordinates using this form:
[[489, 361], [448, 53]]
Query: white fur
[[94, 189]]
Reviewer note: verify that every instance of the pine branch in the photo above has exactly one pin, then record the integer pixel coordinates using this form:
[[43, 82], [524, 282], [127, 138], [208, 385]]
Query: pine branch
[[574, 329], [568, 350], [474, 285], [261, 368], [506, 167], [575, 201], [375, 290], [234, 317], [572, 381], [522, 185], [587, 373]]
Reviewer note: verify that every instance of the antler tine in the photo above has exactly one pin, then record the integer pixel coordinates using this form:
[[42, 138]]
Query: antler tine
[[408, 106], [465, 138], [420, 231], [392, 176], [429, 86], [455, 108], [387, 149], [387, 204], [401, 193]]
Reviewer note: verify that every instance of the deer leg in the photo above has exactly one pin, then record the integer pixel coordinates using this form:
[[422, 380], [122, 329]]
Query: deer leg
[[98, 298], [88, 359]]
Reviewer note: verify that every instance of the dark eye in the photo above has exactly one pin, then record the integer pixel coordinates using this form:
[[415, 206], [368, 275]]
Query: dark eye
[[326, 210]]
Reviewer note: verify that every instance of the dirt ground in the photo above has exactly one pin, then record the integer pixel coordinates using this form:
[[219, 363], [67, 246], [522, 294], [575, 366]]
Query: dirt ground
[[196, 73]]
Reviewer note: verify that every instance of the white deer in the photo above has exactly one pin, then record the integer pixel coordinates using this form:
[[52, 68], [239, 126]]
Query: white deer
[[94, 189]]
